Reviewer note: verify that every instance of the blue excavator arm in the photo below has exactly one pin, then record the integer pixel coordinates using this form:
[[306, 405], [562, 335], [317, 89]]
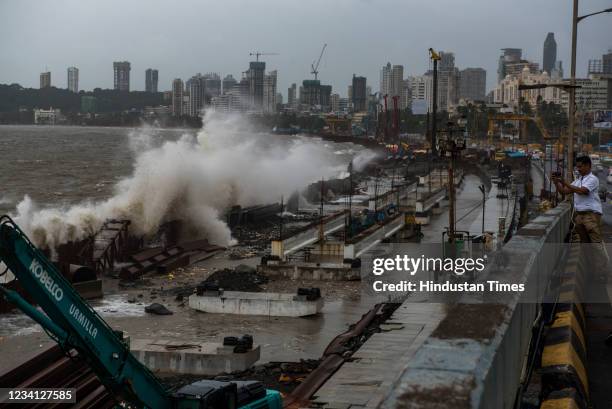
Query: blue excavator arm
[[74, 323]]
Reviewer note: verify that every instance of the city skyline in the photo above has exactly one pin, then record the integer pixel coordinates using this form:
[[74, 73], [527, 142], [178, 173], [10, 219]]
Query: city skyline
[[353, 42]]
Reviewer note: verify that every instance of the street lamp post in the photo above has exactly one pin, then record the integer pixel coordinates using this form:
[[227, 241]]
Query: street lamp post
[[572, 96]]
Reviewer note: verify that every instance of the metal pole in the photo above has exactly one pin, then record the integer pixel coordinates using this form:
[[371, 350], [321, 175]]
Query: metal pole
[[429, 157], [280, 230], [484, 201], [572, 97], [434, 118]]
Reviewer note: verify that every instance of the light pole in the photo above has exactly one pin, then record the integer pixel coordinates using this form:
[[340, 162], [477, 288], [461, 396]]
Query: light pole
[[484, 200], [572, 96]]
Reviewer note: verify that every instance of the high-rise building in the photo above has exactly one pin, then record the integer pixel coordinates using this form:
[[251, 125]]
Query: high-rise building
[[269, 92], [385, 80], [359, 93], [177, 97], [591, 95], [292, 97], [405, 95], [228, 83], [515, 69], [325, 96], [510, 55], [310, 95], [212, 86], [550, 53], [255, 77], [196, 96], [446, 80], [334, 102], [121, 71], [391, 78], [73, 79], [45, 79], [151, 78], [603, 66], [472, 84]]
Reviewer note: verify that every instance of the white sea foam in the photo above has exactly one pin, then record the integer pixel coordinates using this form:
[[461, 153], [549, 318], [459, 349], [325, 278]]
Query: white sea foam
[[193, 179]]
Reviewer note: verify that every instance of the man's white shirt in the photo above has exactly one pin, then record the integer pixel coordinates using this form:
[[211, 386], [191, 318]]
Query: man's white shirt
[[590, 202]]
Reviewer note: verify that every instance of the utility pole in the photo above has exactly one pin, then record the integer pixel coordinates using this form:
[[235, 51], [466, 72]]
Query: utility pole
[[280, 230], [484, 200], [429, 158], [435, 57], [572, 97], [450, 146]]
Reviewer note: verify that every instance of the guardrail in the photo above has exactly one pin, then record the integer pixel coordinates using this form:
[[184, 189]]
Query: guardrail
[[478, 363]]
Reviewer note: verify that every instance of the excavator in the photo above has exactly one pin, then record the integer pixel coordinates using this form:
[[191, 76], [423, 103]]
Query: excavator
[[74, 324]]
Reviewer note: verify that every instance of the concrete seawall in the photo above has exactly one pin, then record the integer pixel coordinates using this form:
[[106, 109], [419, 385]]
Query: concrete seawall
[[475, 357]]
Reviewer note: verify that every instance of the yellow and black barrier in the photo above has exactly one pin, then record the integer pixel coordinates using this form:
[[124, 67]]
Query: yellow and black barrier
[[563, 366], [564, 399]]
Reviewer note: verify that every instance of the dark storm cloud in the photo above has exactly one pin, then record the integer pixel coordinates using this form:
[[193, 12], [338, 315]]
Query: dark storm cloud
[[185, 37]]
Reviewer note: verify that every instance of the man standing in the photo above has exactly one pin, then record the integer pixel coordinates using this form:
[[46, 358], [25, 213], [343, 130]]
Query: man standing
[[587, 211]]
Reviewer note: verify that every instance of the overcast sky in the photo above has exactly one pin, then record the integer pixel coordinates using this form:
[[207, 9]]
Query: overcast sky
[[182, 38]]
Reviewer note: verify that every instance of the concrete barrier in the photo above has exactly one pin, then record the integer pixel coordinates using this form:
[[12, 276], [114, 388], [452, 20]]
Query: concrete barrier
[[373, 236], [246, 303], [478, 364], [308, 236], [194, 358]]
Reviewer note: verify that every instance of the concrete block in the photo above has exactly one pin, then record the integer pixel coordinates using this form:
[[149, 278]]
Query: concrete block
[[194, 358], [246, 303]]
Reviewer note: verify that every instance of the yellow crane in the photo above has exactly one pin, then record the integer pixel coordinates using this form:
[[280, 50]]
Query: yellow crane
[[523, 119]]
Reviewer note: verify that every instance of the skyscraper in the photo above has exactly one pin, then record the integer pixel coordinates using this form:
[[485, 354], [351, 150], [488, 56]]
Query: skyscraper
[[73, 79], [45, 79], [228, 83], [310, 94], [151, 77], [550, 53], [269, 92], [446, 81], [291, 96], [472, 84], [177, 97], [359, 93], [391, 78], [510, 55], [211, 86], [255, 77], [121, 71], [196, 95], [385, 80]]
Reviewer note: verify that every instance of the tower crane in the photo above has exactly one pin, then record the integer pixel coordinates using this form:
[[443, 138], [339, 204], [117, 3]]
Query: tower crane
[[315, 68], [258, 53]]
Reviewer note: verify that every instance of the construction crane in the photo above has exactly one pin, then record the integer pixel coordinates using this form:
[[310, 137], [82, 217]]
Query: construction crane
[[315, 68], [258, 53], [516, 117]]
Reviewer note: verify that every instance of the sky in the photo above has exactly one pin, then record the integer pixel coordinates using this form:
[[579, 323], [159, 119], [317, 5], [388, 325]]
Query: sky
[[184, 37]]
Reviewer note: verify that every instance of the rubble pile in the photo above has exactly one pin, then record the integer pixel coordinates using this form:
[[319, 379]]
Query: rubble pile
[[243, 278]]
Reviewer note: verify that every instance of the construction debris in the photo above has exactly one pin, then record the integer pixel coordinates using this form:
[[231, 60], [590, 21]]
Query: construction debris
[[243, 278], [157, 309]]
